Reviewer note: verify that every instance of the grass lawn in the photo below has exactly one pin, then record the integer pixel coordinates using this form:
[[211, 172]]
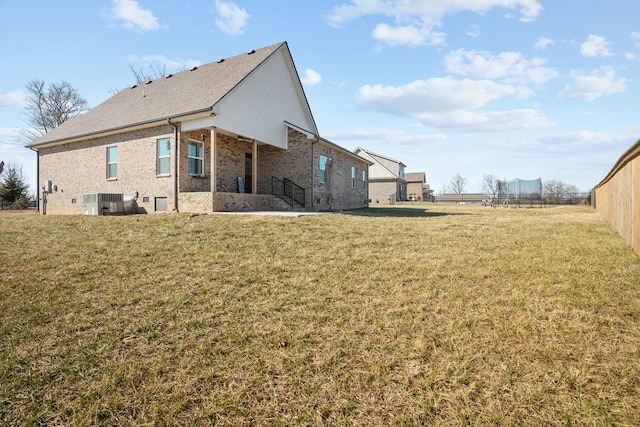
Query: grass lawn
[[419, 314]]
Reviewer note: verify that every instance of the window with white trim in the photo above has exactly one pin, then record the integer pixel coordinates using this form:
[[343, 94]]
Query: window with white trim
[[364, 180], [353, 177], [112, 162], [195, 158], [163, 164]]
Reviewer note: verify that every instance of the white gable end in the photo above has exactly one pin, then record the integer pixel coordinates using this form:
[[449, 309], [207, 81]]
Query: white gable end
[[389, 165], [259, 106], [379, 171], [376, 170]]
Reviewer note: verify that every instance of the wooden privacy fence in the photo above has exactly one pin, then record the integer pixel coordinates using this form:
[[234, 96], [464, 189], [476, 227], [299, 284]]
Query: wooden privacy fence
[[617, 196]]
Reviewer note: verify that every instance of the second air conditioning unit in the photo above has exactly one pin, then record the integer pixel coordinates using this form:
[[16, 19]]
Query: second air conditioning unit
[[102, 204]]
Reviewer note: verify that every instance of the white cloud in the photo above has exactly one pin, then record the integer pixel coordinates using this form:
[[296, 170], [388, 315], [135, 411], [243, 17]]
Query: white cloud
[[510, 66], [542, 43], [630, 56], [595, 46], [582, 139], [403, 9], [231, 19], [162, 61], [414, 20], [133, 17], [408, 35], [635, 36], [450, 103], [436, 94], [387, 135], [311, 77], [600, 82], [599, 150], [14, 100], [473, 31], [7, 134], [487, 121]]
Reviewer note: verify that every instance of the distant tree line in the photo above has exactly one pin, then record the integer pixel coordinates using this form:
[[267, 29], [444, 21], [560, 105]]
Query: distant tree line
[[553, 191]]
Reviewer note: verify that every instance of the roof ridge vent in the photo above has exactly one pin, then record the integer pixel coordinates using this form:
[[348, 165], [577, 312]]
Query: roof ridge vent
[[149, 82], [252, 52], [134, 86], [194, 68], [221, 60], [169, 76]]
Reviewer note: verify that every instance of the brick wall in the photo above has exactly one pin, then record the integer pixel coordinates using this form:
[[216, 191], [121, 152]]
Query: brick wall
[[230, 162], [415, 188], [294, 164], [199, 202], [337, 192], [233, 202], [189, 182], [380, 191], [81, 168]]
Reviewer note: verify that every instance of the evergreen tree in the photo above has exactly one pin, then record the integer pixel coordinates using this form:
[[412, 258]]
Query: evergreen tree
[[13, 189]]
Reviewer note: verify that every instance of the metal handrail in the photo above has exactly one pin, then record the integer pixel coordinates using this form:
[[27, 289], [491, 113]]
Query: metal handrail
[[288, 191], [296, 192]]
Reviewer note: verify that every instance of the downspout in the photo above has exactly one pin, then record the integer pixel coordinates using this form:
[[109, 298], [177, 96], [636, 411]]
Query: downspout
[[175, 167], [37, 179], [313, 178]]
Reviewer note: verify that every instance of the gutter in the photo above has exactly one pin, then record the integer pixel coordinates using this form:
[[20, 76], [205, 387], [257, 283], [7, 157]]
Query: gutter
[[37, 177], [175, 165], [313, 180], [119, 129]]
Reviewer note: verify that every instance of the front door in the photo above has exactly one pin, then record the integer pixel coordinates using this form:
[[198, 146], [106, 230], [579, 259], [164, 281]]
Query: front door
[[248, 172]]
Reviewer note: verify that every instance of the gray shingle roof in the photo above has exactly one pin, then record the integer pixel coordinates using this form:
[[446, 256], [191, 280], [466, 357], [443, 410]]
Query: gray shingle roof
[[415, 176], [380, 156], [176, 95]]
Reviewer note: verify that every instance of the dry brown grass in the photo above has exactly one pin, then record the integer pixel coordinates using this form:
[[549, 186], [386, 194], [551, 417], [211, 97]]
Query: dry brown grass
[[422, 314]]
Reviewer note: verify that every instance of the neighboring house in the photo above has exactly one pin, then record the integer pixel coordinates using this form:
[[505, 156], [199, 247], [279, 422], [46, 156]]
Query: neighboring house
[[417, 188], [233, 135], [427, 194], [387, 182]]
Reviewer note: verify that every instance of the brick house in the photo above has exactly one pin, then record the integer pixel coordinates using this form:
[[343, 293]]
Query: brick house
[[387, 182], [233, 135], [417, 188]]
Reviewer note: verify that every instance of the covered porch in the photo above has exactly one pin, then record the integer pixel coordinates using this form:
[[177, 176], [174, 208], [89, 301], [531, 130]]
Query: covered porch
[[219, 171]]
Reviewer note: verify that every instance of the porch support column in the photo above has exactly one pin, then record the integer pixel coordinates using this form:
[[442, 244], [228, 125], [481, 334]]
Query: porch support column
[[214, 156], [254, 167]]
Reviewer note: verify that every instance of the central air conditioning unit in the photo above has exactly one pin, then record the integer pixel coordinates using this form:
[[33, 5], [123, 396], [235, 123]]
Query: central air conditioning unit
[[102, 204]]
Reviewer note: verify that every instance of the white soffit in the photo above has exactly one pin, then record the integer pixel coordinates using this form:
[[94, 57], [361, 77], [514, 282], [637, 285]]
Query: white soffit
[[206, 122]]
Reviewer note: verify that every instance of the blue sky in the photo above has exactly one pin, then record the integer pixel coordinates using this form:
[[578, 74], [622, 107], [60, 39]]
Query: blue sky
[[514, 88]]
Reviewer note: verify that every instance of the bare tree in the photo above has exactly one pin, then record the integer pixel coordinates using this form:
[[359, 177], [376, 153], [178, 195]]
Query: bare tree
[[50, 106], [558, 192], [458, 184], [489, 185], [143, 76], [571, 193], [553, 190]]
